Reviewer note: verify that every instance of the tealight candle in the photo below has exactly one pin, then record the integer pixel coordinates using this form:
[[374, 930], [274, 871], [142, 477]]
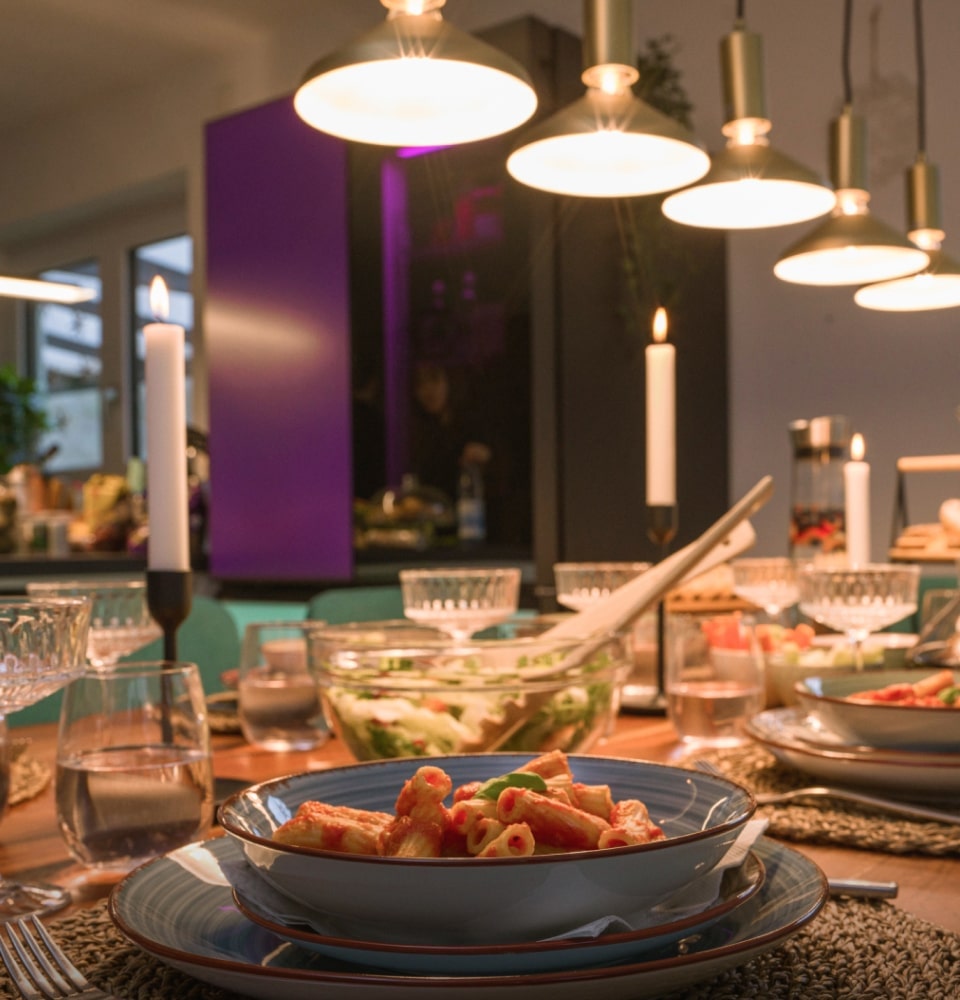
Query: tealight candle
[[661, 417], [169, 544], [856, 482]]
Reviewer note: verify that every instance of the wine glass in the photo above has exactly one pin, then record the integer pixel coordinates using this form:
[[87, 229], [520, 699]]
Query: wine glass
[[460, 601], [770, 584], [858, 600], [43, 644], [120, 620]]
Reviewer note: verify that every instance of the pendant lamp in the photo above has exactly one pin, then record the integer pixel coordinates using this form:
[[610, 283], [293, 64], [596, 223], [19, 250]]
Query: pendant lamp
[[45, 291], [609, 143], [750, 185], [415, 80], [938, 286], [851, 246]]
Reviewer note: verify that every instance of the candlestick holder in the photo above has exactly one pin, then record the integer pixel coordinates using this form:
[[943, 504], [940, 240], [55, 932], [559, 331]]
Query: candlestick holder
[[661, 529], [169, 597]]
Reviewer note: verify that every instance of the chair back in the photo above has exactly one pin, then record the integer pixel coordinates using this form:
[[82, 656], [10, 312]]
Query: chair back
[[356, 604]]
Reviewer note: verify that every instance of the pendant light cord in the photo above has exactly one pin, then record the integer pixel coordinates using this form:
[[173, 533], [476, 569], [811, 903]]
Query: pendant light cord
[[921, 80], [847, 85]]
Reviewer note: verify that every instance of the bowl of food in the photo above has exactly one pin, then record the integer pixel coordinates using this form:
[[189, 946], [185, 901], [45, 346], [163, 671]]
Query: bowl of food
[[484, 848], [906, 709], [391, 689]]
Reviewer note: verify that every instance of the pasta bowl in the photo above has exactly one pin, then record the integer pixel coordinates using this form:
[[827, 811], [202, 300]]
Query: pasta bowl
[[464, 900], [840, 704]]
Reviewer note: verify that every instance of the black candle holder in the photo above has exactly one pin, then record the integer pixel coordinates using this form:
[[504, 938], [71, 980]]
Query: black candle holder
[[661, 529], [169, 598]]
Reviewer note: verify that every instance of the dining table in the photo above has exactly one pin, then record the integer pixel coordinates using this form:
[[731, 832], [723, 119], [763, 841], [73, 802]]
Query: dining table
[[843, 841]]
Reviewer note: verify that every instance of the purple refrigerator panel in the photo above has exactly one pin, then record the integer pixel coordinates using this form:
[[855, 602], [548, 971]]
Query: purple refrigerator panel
[[277, 329]]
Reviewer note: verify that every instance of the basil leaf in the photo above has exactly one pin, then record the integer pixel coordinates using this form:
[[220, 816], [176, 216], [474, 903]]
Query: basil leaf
[[950, 695], [516, 779]]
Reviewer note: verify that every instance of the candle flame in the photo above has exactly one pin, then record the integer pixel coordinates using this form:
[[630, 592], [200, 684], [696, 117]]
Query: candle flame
[[857, 448], [159, 298], [660, 325]]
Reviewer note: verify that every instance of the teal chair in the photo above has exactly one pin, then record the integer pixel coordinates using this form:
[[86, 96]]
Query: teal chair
[[356, 604]]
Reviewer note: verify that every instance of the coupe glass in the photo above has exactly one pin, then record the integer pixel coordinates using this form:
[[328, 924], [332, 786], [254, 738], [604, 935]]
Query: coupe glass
[[770, 584], [120, 620], [460, 601], [858, 600], [580, 584], [43, 643]]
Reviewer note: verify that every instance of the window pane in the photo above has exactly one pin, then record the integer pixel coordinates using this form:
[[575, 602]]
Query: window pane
[[172, 260], [66, 342]]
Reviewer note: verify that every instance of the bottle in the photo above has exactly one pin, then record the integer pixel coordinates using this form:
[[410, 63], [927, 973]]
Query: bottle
[[817, 515], [471, 507]]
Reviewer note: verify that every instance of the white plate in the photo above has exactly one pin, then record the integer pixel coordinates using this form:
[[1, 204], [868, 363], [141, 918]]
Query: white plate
[[801, 741], [737, 886], [179, 908]]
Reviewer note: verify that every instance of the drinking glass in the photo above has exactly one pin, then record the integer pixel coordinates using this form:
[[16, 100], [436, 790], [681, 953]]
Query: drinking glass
[[43, 644], [120, 621], [460, 601], [858, 600], [716, 684], [134, 772], [279, 698], [770, 584], [581, 584]]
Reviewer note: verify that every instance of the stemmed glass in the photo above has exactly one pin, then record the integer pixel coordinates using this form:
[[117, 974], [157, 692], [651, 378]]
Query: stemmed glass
[[580, 584], [770, 584], [43, 644], [460, 601], [858, 600], [120, 621]]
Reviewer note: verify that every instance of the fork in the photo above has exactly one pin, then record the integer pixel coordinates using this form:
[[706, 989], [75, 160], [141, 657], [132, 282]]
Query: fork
[[845, 794], [36, 977]]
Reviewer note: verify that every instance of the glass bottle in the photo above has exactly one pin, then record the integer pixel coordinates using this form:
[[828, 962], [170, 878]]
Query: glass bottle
[[817, 520], [471, 506]]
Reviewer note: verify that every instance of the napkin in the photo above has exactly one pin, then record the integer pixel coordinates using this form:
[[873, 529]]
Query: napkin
[[688, 901]]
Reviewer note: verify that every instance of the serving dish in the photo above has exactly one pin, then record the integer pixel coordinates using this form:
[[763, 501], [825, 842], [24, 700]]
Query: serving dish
[[798, 740], [179, 909], [879, 724], [487, 900], [677, 917], [390, 689]]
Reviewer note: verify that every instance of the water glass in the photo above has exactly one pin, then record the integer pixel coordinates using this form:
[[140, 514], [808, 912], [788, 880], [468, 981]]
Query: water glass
[[715, 685], [134, 771], [279, 698]]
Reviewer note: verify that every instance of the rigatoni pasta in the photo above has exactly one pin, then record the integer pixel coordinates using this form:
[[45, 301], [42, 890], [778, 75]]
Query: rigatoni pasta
[[539, 809]]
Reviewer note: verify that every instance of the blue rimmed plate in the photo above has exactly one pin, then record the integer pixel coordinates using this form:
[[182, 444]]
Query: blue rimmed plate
[[736, 886], [180, 909]]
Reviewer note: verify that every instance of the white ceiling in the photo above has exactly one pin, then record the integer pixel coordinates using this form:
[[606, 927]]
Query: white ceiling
[[56, 53]]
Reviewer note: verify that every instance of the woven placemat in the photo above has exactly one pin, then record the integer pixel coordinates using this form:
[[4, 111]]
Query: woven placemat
[[829, 821], [28, 776], [853, 950]]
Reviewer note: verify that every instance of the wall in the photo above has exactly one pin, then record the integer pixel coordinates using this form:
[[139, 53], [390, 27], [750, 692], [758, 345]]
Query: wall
[[795, 351]]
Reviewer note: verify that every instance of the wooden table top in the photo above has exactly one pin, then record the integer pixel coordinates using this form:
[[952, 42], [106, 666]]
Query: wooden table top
[[31, 845]]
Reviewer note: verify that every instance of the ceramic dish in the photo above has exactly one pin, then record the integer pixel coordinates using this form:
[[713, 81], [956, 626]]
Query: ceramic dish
[[879, 724], [798, 740], [736, 887], [490, 900], [179, 908]]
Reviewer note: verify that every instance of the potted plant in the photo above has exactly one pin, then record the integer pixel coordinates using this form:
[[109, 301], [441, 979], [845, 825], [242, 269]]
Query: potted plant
[[22, 420]]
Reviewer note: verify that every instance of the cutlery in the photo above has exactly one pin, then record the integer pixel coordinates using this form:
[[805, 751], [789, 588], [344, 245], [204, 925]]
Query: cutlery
[[908, 809], [35, 975]]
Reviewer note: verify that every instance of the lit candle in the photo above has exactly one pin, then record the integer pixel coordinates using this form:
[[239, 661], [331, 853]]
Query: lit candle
[[856, 484], [661, 417], [169, 544]]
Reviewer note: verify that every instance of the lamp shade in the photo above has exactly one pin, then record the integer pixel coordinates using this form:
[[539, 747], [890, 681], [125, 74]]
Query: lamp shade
[[751, 187], [850, 249], [608, 145], [416, 80], [938, 287]]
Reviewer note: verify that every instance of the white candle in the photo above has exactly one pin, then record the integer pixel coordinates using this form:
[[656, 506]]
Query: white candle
[[856, 484], [169, 544], [661, 417]]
